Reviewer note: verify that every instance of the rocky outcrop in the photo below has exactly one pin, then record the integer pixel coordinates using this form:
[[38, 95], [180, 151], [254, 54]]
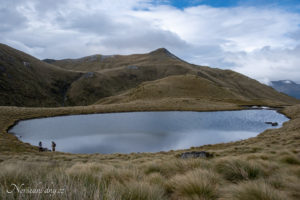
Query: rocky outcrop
[[272, 123], [196, 154]]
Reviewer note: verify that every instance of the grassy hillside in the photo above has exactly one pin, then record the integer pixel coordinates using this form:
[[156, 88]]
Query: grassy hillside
[[127, 78], [194, 88], [263, 167], [27, 81], [101, 62], [117, 74]]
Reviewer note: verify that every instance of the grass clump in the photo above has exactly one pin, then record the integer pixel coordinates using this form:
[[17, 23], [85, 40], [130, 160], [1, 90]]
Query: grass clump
[[255, 191], [136, 191], [238, 170], [121, 175], [290, 159], [196, 184], [155, 179], [176, 166]]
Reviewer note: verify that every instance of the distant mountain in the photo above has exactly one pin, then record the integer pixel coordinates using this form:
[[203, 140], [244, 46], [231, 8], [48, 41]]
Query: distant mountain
[[288, 87], [27, 81]]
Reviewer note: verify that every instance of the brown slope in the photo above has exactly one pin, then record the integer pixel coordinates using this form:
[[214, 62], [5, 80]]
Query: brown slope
[[27, 81], [183, 88], [178, 86], [100, 62], [247, 87], [122, 73]]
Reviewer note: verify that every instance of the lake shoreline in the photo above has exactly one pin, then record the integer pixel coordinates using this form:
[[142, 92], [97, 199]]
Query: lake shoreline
[[150, 131], [23, 113], [273, 156], [278, 109]]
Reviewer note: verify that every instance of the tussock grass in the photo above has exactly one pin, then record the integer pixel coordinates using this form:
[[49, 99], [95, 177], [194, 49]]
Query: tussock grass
[[136, 191], [23, 172], [278, 181], [156, 179], [290, 159], [122, 175], [117, 179], [255, 191], [293, 187], [238, 170], [196, 184], [297, 172], [174, 166]]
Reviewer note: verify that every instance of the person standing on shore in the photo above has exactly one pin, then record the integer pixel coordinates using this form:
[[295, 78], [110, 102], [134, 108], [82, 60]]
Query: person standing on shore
[[53, 146], [40, 146]]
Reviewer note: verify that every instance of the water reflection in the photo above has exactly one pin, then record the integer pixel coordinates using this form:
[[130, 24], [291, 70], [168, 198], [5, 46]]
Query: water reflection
[[144, 131]]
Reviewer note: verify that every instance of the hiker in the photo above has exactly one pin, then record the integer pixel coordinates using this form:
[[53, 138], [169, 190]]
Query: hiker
[[53, 146], [40, 146]]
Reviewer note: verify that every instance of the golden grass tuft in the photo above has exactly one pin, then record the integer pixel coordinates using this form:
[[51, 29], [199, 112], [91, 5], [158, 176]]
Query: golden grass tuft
[[255, 190], [235, 170], [135, 190], [196, 184], [170, 167], [290, 159]]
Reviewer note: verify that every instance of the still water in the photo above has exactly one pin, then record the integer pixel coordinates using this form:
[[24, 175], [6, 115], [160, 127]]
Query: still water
[[144, 131]]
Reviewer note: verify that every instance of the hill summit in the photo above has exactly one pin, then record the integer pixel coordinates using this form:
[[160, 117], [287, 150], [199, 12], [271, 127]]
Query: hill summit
[[155, 77]]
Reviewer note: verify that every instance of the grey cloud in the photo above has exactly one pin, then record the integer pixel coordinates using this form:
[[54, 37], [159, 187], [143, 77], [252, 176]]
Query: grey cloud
[[209, 55], [92, 23], [49, 5], [10, 18], [146, 38]]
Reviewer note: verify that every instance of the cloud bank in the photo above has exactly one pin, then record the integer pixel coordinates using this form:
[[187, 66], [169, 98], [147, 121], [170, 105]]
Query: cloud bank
[[261, 42]]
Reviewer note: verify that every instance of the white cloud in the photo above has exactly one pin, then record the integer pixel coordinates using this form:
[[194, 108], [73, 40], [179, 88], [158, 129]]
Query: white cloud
[[268, 64], [261, 42]]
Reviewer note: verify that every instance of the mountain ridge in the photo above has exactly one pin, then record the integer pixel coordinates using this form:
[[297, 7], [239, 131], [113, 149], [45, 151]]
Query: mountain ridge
[[288, 87], [94, 79]]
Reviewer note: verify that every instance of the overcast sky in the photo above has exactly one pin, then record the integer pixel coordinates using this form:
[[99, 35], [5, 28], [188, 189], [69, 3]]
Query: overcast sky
[[259, 38]]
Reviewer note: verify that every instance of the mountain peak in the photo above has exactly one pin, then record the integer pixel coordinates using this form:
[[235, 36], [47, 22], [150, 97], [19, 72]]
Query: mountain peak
[[163, 52], [288, 82], [287, 86], [283, 82]]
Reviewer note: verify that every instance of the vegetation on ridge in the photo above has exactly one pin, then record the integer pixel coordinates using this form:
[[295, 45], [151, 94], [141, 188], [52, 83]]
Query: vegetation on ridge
[[265, 167], [27, 81]]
